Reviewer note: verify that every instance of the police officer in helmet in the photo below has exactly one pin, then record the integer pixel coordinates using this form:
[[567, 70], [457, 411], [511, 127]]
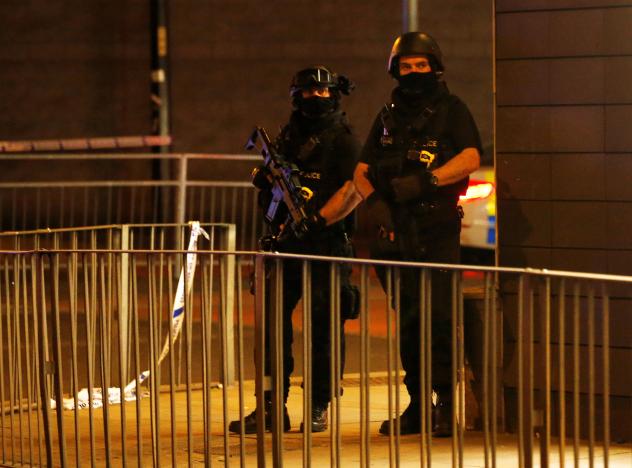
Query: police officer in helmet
[[414, 165], [320, 141]]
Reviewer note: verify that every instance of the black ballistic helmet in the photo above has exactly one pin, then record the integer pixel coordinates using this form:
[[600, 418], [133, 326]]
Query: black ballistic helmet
[[415, 43], [319, 76]]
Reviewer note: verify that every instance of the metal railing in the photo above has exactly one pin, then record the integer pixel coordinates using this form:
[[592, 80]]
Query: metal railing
[[60, 328], [33, 203]]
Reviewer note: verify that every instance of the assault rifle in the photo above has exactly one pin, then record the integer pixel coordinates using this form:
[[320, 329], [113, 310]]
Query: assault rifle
[[285, 185]]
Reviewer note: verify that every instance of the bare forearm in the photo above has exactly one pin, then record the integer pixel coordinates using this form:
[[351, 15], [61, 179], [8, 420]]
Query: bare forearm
[[341, 203], [459, 167]]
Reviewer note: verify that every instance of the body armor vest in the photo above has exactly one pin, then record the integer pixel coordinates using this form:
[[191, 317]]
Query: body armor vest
[[407, 146]]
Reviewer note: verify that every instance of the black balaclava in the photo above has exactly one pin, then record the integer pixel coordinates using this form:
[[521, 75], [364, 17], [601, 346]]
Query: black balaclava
[[315, 107], [418, 83]]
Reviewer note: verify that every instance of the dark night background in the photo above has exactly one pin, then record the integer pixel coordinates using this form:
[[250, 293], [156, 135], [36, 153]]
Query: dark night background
[[74, 69]]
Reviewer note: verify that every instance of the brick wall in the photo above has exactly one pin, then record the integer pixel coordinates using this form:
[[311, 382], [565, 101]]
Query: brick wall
[[564, 106]]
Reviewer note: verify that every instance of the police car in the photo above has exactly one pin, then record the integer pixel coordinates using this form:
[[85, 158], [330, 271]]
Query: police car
[[478, 232]]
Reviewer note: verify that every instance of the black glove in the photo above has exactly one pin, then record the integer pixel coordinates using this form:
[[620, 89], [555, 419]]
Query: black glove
[[380, 212], [312, 224], [413, 186], [264, 197], [260, 178]]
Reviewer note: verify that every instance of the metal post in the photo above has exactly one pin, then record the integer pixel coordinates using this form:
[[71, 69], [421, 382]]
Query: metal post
[[260, 337], [159, 88], [410, 15], [124, 302], [228, 325]]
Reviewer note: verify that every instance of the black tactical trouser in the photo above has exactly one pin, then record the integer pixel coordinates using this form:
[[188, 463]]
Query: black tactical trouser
[[445, 249], [321, 336]]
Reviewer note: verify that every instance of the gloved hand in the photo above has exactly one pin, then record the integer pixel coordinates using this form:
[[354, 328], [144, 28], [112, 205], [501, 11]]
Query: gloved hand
[[312, 224], [264, 197], [380, 214], [260, 178], [413, 186]]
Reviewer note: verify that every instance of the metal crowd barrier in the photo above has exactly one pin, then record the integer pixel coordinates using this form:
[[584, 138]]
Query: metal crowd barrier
[[60, 328], [190, 193], [134, 237]]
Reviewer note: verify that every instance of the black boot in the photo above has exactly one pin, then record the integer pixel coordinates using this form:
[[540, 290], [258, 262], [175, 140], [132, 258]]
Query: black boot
[[250, 421], [442, 416], [319, 417], [409, 421]]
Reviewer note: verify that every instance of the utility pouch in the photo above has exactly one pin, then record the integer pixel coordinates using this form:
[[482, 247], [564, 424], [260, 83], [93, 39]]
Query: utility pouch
[[349, 302]]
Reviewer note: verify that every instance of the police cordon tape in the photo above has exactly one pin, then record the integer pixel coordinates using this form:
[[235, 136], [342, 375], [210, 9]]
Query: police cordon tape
[[84, 144], [130, 392]]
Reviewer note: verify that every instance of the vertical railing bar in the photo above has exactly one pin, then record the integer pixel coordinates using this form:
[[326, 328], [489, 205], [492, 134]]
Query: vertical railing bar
[[242, 234], [172, 382], [105, 361], [14, 209], [461, 364], [181, 245], [307, 363], [338, 367], [59, 393], [454, 370], [333, 452], [240, 358], [28, 355], [397, 287], [9, 341], [206, 387], [2, 394], [233, 205], [44, 366], [576, 375], [591, 376], [364, 378], [545, 439], [522, 297], [122, 269], [89, 311], [260, 337], [72, 286], [422, 370], [389, 360], [562, 371], [153, 381], [222, 207], [530, 374], [188, 338], [225, 351], [211, 279], [136, 354], [37, 364], [486, 359], [202, 204], [606, 375], [253, 222], [18, 354], [276, 343], [428, 352], [496, 356]]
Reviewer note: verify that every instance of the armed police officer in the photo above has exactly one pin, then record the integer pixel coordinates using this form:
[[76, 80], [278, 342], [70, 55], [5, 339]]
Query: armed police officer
[[416, 161], [320, 142], [414, 165]]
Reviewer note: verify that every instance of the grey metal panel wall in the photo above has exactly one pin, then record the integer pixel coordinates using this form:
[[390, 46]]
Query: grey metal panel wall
[[564, 148]]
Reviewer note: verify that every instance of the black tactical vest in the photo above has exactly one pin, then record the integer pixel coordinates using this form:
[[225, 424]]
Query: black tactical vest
[[312, 156], [409, 145]]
